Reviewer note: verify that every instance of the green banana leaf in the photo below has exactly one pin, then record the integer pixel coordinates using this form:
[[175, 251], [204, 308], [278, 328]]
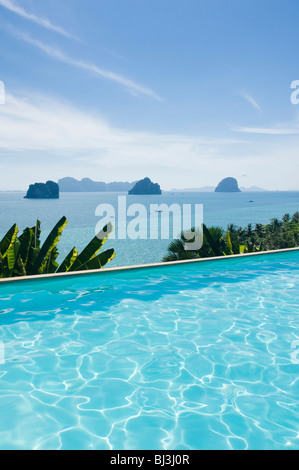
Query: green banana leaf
[[99, 261], [34, 248], [40, 264], [68, 262], [37, 234], [21, 271], [12, 254], [52, 265], [229, 243], [92, 248], [8, 240], [26, 239]]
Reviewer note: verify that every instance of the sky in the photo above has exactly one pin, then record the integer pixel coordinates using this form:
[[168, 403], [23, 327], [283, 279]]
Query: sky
[[186, 92]]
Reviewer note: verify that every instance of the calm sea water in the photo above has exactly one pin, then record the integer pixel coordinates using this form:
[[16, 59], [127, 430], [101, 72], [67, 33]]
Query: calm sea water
[[79, 208]]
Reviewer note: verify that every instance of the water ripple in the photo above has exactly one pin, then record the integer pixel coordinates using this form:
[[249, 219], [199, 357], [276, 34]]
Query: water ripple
[[187, 358]]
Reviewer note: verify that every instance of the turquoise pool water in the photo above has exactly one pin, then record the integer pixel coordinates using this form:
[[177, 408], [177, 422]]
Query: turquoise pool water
[[198, 356]]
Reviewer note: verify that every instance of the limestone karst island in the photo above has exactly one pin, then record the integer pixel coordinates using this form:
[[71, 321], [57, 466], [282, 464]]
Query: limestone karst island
[[228, 185], [48, 190], [144, 187]]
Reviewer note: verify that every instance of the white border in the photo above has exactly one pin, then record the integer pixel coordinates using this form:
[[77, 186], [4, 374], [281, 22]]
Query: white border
[[141, 266]]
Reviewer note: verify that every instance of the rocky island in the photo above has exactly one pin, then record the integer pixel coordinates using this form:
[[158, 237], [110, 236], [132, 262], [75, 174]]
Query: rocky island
[[144, 187], [228, 185], [48, 190], [87, 185]]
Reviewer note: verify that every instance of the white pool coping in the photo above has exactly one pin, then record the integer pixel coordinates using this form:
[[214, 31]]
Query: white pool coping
[[142, 266]]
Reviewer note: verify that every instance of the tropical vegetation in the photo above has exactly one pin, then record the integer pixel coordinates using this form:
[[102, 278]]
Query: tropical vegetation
[[278, 234], [25, 255]]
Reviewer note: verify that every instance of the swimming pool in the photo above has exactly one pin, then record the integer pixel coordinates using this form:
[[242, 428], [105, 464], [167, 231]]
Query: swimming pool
[[191, 356]]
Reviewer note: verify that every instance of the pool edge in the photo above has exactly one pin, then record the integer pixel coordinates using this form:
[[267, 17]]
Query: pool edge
[[142, 266]]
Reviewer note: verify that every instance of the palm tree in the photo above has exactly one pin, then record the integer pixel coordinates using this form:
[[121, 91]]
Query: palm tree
[[176, 251], [213, 245], [295, 218], [276, 235], [259, 230], [249, 230], [275, 224], [232, 228]]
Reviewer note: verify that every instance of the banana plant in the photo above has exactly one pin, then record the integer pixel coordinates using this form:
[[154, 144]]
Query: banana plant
[[230, 249], [236, 248], [25, 255]]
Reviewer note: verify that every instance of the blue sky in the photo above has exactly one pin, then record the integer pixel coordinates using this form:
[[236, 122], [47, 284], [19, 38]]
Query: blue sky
[[183, 91]]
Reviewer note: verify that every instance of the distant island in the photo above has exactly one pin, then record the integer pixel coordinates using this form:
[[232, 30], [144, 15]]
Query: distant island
[[71, 185], [48, 190], [228, 185], [203, 189], [211, 189], [253, 189], [144, 187]]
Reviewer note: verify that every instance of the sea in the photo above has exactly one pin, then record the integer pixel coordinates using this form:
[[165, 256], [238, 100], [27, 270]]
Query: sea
[[85, 213]]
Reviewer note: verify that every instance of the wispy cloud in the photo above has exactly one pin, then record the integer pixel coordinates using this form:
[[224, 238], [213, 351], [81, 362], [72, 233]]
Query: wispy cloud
[[15, 8], [249, 99], [38, 129], [32, 122], [57, 54], [267, 131]]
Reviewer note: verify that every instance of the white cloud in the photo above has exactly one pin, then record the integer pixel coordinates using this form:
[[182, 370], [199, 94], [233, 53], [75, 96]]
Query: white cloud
[[15, 8], [57, 54], [41, 138], [249, 99], [267, 131]]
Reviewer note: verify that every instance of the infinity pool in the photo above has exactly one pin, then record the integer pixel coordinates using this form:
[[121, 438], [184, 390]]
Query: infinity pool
[[193, 356]]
